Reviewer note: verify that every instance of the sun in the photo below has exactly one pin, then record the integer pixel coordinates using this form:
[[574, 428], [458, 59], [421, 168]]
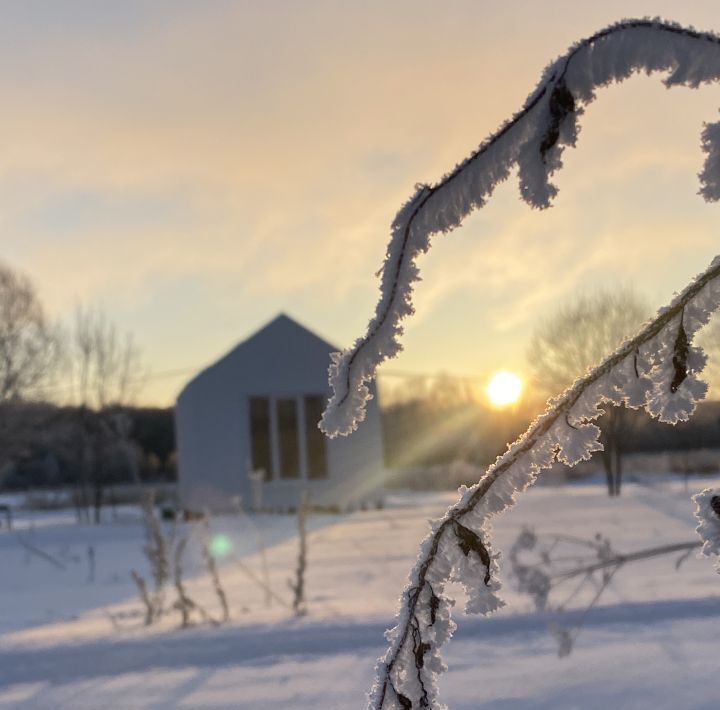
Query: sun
[[504, 388]]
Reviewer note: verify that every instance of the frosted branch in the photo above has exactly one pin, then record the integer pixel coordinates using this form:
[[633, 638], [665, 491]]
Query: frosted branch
[[533, 140], [657, 369], [707, 513]]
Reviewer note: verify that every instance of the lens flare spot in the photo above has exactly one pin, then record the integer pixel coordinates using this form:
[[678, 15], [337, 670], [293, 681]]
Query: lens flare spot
[[220, 545]]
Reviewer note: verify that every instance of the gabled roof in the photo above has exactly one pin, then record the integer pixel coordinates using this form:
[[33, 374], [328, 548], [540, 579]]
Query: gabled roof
[[279, 335], [282, 325]]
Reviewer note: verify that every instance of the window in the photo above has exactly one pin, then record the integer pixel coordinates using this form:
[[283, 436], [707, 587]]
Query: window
[[314, 439], [260, 435], [287, 425], [275, 437]]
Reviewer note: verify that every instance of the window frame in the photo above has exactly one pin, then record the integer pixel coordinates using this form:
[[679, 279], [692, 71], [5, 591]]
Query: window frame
[[304, 435]]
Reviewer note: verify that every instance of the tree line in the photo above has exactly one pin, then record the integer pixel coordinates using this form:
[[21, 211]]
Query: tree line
[[68, 418], [66, 395], [440, 420]]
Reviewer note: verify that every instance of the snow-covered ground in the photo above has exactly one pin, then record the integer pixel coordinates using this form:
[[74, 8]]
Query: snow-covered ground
[[70, 642]]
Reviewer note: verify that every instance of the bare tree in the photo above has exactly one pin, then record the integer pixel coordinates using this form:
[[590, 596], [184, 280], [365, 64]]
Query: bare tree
[[29, 348], [103, 368], [28, 343], [104, 363], [577, 338]]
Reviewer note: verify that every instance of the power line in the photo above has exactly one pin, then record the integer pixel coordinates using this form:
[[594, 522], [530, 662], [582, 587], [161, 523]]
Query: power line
[[404, 374], [160, 375], [189, 370], [409, 374]]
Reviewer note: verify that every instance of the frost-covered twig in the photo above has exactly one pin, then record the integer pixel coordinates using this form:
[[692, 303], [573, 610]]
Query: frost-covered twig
[[261, 583], [298, 584], [257, 482], [618, 559], [539, 569], [91, 563], [157, 550], [183, 603], [707, 513], [533, 140], [656, 370], [35, 550], [567, 637], [144, 597], [211, 565]]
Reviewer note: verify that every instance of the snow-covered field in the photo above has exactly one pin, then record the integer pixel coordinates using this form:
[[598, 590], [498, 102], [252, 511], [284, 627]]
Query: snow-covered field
[[70, 642]]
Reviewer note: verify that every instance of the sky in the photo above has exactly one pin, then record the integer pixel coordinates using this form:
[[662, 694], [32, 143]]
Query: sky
[[196, 168]]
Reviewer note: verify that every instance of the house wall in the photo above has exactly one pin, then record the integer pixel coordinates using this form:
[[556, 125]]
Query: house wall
[[212, 419], [211, 447]]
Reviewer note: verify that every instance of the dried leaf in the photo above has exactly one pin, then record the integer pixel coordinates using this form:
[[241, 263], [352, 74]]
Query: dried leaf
[[471, 542], [562, 104], [550, 139], [404, 701]]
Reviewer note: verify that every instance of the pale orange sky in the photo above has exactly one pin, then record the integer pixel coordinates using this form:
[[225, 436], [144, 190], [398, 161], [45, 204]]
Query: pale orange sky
[[197, 167]]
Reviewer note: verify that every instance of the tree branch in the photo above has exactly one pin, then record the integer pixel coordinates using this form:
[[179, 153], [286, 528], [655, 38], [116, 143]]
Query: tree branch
[[522, 140], [657, 369]]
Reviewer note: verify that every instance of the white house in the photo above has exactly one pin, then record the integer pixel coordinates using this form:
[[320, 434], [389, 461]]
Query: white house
[[257, 409]]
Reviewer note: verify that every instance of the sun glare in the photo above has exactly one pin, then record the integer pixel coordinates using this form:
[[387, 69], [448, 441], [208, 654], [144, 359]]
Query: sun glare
[[504, 388]]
